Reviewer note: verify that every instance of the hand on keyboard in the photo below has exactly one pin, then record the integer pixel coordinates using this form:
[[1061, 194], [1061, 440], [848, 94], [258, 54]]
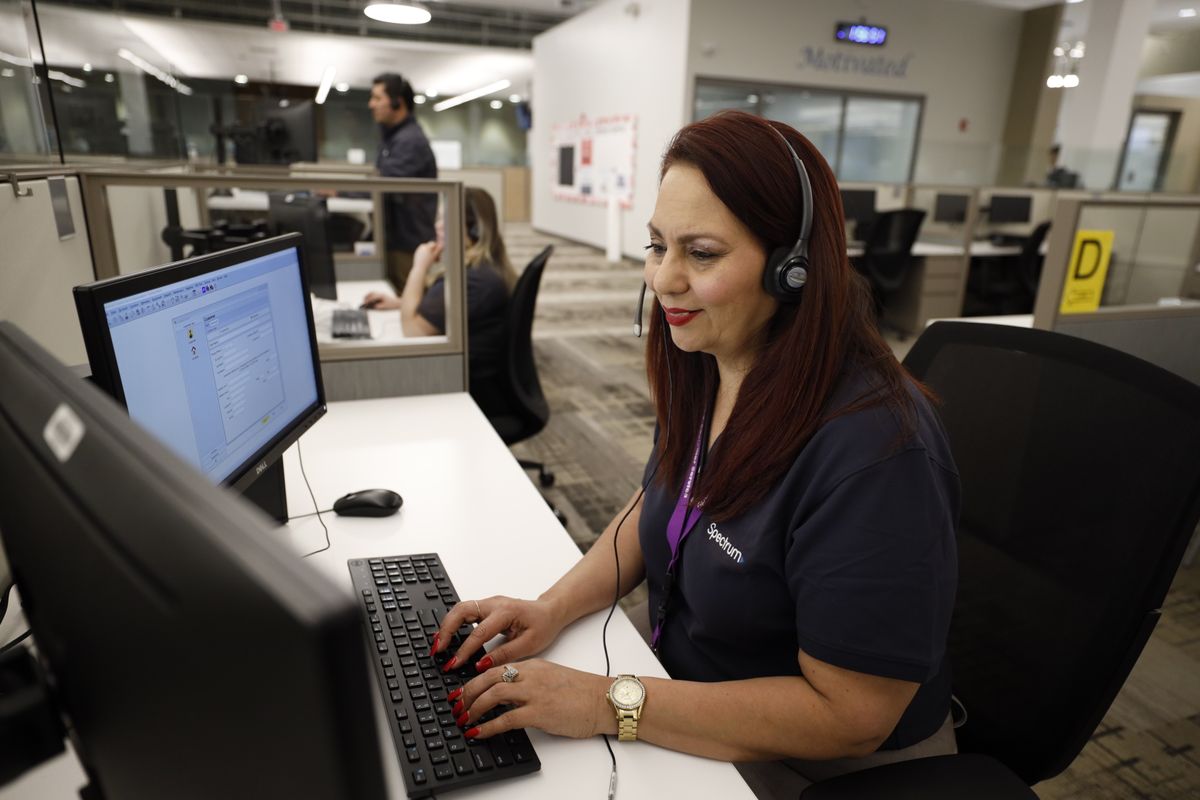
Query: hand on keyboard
[[530, 625], [544, 695]]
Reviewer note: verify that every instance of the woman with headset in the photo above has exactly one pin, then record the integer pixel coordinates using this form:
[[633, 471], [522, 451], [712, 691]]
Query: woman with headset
[[796, 526], [490, 279]]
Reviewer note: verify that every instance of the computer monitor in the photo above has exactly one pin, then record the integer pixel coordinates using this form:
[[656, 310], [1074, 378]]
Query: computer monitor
[[282, 135], [950, 208], [192, 655], [216, 356], [1010, 208], [858, 205], [292, 212]]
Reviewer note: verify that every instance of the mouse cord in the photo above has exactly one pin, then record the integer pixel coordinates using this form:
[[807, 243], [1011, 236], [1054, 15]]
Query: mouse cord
[[314, 501], [612, 780]]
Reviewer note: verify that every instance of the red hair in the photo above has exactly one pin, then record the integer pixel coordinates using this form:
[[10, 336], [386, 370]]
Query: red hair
[[783, 399]]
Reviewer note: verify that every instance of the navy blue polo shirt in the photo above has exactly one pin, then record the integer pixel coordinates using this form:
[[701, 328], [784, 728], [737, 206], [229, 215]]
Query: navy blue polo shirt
[[850, 557]]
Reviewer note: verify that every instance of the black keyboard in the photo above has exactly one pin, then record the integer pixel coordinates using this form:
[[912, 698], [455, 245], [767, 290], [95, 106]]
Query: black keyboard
[[351, 323], [403, 601]]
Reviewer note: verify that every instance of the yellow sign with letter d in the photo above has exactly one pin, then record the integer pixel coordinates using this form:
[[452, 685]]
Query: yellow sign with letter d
[[1086, 272]]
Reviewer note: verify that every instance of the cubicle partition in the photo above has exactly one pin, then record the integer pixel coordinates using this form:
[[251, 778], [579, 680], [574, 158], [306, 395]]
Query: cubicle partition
[[1147, 301], [125, 217]]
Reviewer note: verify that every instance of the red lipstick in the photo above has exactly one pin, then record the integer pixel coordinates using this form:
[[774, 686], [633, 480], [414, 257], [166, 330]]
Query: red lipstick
[[679, 316]]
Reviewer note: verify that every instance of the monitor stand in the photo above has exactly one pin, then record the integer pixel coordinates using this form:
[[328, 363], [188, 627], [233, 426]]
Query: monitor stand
[[269, 492]]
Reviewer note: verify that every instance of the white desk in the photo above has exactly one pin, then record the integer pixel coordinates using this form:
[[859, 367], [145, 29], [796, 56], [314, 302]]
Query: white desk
[[465, 498], [385, 324], [254, 200]]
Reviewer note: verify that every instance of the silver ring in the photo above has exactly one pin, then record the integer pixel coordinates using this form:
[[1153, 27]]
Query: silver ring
[[510, 674], [478, 612]]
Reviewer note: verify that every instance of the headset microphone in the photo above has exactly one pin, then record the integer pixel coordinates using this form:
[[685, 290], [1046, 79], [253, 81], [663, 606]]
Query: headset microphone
[[637, 316]]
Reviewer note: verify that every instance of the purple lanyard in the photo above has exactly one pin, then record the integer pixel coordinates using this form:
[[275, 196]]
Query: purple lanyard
[[683, 519]]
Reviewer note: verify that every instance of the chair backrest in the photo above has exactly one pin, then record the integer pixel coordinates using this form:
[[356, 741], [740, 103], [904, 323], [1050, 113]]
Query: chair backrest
[[524, 389], [1080, 489], [888, 251], [1029, 263]]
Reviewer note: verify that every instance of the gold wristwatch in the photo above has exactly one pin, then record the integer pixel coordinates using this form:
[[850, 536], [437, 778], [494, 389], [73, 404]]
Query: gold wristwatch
[[627, 695]]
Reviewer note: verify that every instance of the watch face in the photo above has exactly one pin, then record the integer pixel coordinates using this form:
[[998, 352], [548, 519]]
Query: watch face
[[627, 693]]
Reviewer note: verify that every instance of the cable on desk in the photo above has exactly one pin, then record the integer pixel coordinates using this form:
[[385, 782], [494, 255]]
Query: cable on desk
[[300, 456]]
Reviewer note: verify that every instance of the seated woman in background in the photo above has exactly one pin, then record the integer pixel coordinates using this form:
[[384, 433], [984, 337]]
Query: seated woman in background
[[796, 526], [490, 278]]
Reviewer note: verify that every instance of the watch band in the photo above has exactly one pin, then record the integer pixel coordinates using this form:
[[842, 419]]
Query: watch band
[[627, 725]]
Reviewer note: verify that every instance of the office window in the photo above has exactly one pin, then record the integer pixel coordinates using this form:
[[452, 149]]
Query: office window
[[23, 131], [864, 137]]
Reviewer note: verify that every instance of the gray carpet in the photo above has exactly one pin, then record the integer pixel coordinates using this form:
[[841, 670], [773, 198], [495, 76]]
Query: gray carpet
[[598, 439]]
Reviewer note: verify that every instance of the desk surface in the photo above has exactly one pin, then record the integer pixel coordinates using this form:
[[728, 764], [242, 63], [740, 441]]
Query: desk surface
[[253, 200], [385, 325], [465, 498]]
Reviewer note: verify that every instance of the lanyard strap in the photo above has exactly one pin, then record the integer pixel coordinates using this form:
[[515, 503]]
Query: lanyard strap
[[682, 521]]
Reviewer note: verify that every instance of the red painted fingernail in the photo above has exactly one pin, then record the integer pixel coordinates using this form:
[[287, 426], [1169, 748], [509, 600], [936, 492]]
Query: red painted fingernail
[[483, 664], [458, 709], [450, 698], [450, 664], [433, 649], [472, 733], [462, 721]]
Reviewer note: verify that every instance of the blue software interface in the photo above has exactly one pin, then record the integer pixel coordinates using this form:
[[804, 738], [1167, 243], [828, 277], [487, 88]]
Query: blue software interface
[[217, 365]]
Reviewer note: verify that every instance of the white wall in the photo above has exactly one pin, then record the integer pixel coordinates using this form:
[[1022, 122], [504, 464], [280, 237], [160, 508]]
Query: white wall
[[602, 62], [959, 56]]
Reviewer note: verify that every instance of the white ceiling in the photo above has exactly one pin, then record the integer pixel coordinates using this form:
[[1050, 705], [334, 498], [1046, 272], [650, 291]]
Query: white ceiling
[[220, 51]]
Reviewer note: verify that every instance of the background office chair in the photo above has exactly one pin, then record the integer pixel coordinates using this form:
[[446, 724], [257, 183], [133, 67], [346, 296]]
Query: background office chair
[[516, 406], [1081, 488], [1006, 284], [887, 252], [1029, 263]]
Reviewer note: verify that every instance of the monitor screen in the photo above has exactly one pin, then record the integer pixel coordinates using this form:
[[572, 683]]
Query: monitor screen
[[215, 355], [858, 204], [1010, 208], [290, 212], [193, 655], [950, 208]]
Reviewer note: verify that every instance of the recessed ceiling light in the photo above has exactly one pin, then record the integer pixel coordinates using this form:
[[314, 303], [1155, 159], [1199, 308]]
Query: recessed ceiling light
[[514, 98], [342, 87], [87, 67], [240, 80], [108, 77], [398, 13], [1187, 12], [431, 92], [496, 105], [1073, 2], [474, 94], [7, 72], [419, 99]]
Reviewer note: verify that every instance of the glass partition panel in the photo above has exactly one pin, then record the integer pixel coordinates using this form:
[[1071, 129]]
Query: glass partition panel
[[818, 115], [24, 136], [880, 139], [712, 97], [1154, 251]]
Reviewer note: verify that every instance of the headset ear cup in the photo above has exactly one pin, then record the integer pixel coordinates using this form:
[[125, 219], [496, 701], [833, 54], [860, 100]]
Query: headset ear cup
[[771, 274], [784, 277]]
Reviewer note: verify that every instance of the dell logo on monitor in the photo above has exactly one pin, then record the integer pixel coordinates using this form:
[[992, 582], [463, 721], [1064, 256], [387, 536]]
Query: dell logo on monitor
[[261, 468]]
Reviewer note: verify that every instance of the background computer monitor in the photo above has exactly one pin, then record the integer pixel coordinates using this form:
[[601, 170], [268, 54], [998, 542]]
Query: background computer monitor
[[951, 208], [1010, 208], [193, 656], [292, 212], [215, 355], [281, 135]]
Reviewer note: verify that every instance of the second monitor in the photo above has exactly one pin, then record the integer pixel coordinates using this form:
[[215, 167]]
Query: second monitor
[[1010, 208], [292, 212]]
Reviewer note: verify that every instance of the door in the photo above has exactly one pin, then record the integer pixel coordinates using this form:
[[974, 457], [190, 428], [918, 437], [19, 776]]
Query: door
[[1147, 146]]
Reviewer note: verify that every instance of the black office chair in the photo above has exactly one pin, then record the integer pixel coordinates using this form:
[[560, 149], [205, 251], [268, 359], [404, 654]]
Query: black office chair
[[1029, 262], [887, 252], [518, 408], [1080, 490]]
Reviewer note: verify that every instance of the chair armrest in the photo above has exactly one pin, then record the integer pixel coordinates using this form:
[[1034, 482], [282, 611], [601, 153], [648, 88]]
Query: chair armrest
[[953, 777]]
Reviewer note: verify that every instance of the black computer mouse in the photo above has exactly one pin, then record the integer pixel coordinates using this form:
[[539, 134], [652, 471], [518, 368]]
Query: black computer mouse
[[369, 503]]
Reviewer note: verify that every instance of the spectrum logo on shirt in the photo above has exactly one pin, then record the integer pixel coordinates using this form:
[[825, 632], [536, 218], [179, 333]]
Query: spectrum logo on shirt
[[715, 535]]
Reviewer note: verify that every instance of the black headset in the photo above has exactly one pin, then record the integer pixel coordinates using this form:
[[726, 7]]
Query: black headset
[[786, 271]]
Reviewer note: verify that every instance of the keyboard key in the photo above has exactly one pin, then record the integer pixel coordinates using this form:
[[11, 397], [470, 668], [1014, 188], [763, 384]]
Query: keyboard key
[[463, 765], [443, 771], [418, 776], [482, 758], [456, 747], [500, 752], [412, 754]]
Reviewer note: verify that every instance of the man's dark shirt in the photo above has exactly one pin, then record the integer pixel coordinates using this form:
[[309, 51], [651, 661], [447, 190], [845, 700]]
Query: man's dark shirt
[[405, 153]]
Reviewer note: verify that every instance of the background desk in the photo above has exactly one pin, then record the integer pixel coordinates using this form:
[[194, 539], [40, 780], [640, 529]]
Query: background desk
[[465, 498]]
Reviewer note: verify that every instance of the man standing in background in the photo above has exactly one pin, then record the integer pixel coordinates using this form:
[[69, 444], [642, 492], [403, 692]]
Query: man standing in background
[[403, 153]]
